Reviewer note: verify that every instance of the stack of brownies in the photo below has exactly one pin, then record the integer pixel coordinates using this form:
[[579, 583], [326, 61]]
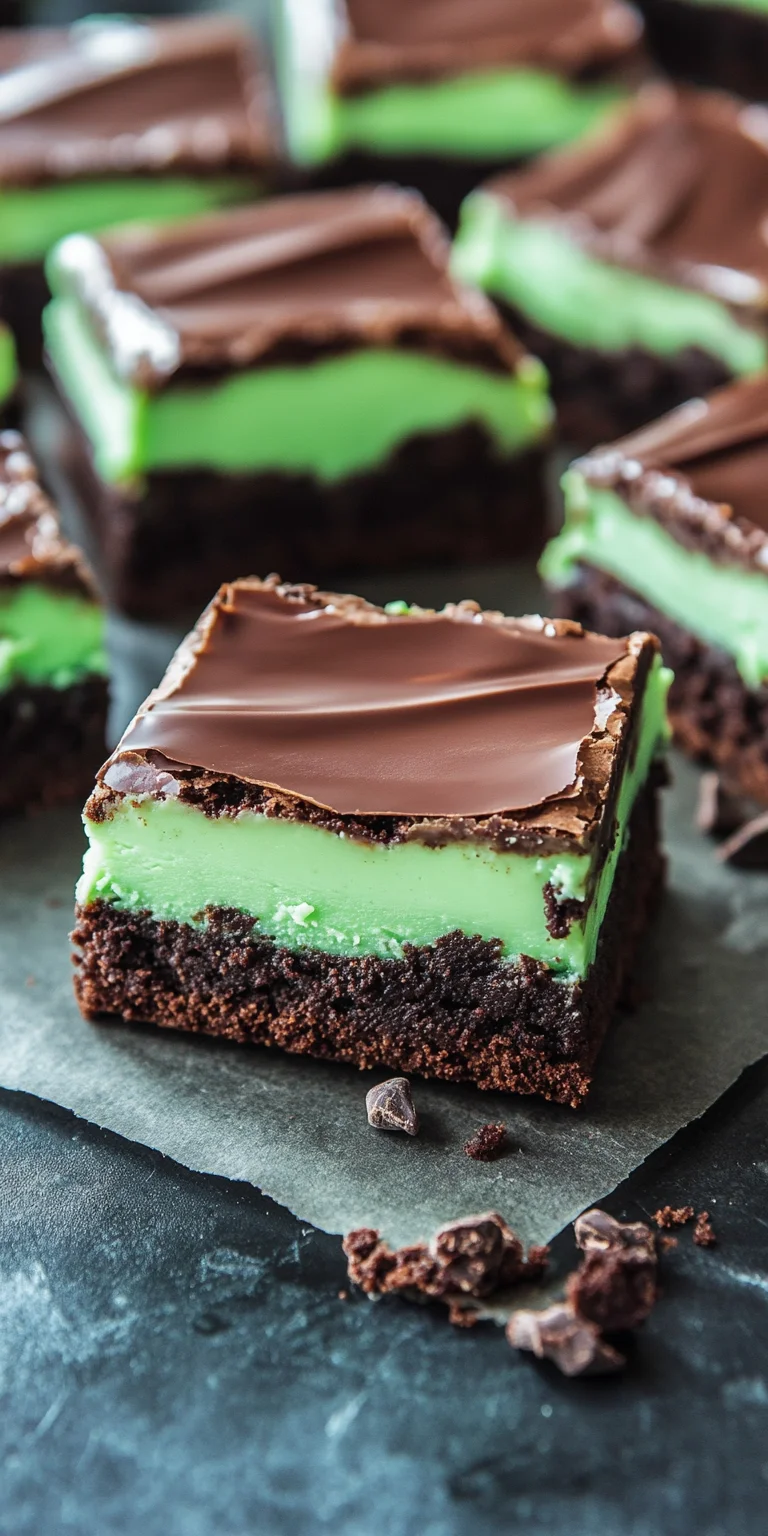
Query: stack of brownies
[[426, 839]]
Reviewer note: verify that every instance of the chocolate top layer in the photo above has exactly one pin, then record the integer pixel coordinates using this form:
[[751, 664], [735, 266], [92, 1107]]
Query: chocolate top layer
[[368, 713], [384, 41], [677, 188], [31, 545], [701, 471], [279, 279], [116, 97]]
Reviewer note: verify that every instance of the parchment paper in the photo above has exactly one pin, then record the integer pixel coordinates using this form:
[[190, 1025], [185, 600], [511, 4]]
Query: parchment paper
[[298, 1129]]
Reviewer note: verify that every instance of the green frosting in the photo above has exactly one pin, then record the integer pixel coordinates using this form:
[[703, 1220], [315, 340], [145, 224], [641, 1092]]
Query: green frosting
[[32, 219], [331, 418], [9, 371], [308, 887], [48, 636], [488, 114], [536, 268], [720, 604], [760, 6]]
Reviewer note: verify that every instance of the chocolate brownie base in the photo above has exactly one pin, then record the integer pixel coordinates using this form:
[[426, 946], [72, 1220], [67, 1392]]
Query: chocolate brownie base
[[715, 717], [601, 396], [24, 294], [441, 498], [54, 740], [713, 45], [451, 1010]]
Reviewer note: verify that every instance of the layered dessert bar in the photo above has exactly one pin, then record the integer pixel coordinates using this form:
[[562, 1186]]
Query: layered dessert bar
[[296, 385], [636, 265], [383, 836], [722, 43], [669, 530], [111, 120], [436, 94], [53, 684]]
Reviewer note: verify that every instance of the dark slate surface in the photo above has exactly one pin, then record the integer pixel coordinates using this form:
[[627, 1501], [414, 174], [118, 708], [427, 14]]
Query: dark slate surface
[[175, 1361]]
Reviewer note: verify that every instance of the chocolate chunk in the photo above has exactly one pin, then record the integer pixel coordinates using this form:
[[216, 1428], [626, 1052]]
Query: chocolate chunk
[[703, 1232], [748, 847], [673, 1216], [390, 1106], [574, 1344], [462, 1317], [487, 1143], [470, 1257], [596, 1230]]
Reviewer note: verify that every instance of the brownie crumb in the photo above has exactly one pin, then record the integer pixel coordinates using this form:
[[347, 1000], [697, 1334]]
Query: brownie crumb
[[487, 1143], [703, 1233], [666, 1242], [470, 1257], [343, 1295], [462, 1317], [574, 1344], [614, 1288], [672, 1216], [390, 1106]]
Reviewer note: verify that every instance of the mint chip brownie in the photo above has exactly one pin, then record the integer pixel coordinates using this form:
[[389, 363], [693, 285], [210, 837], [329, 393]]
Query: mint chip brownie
[[425, 840], [436, 94], [669, 529], [114, 119], [635, 265], [722, 43], [296, 385], [53, 684]]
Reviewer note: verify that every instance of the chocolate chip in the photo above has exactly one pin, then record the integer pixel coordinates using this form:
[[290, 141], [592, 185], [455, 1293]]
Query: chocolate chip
[[748, 847], [571, 1342], [390, 1106], [487, 1143]]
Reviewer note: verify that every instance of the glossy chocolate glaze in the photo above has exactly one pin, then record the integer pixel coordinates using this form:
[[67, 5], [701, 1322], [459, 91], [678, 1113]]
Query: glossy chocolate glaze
[[384, 41], [678, 188], [452, 714], [702, 471], [31, 545], [321, 270], [119, 97]]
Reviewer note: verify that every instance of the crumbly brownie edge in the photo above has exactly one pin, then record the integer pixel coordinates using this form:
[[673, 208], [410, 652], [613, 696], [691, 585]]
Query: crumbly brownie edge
[[602, 396], [716, 46], [53, 742], [715, 717], [451, 1010], [440, 498]]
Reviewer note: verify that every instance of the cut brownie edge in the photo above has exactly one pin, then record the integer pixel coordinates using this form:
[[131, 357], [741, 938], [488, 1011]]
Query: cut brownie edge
[[715, 718], [452, 1010], [600, 396], [53, 741], [440, 498]]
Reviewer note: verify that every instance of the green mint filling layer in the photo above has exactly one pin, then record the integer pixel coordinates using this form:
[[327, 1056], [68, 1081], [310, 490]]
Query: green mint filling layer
[[488, 114], [308, 887], [32, 219], [760, 6], [332, 418], [9, 371], [719, 604], [48, 636], [563, 290]]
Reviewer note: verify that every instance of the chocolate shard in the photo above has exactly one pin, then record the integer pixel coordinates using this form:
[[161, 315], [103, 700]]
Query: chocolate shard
[[596, 1229], [748, 847], [572, 1343], [478, 1254], [487, 1143], [390, 1106]]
